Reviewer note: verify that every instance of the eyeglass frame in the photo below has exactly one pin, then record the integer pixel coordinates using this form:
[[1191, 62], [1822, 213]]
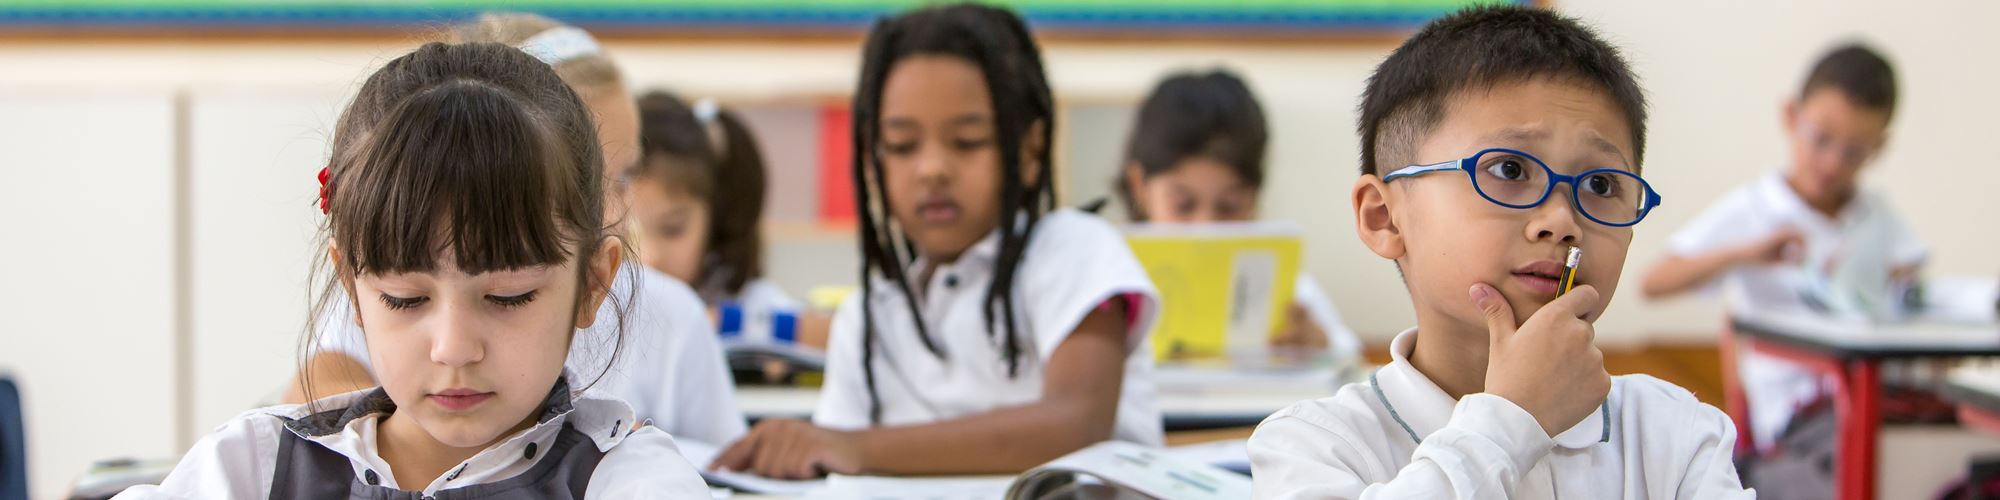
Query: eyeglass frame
[[1470, 165]]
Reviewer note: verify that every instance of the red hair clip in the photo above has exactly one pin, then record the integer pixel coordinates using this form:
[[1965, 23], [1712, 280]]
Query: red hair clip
[[322, 190]]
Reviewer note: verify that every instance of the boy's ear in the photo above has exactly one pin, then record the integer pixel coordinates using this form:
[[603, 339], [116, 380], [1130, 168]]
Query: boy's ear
[[1373, 220], [1032, 147], [1789, 112], [603, 269]]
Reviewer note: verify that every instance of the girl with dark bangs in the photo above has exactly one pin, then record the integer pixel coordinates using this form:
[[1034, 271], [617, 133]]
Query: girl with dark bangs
[[992, 332], [674, 356], [464, 204]]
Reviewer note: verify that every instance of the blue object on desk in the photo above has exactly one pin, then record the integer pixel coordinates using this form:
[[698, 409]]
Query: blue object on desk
[[13, 444], [785, 327], [729, 320]]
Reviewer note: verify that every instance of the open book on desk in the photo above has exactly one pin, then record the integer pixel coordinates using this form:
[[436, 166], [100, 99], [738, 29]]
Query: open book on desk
[[1116, 469], [751, 355]]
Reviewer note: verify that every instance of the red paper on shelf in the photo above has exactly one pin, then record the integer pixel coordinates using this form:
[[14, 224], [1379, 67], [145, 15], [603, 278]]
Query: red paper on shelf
[[836, 180]]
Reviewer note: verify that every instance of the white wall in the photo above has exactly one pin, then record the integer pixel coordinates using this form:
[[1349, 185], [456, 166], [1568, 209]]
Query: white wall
[[85, 320], [85, 195]]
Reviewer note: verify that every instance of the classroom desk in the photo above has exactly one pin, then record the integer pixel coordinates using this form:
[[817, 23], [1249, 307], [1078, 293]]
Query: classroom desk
[[1976, 391], [1850, 354], [1190, 398]]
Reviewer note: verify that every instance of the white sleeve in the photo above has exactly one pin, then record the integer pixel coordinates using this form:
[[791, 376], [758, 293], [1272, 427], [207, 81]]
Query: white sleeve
[[1483, 452], [843, 396], [645, 464], [1075, 263], [671, 368], [1728, 222], [1341, 341], [336, 332], [701, 373], [237, 461], [1905, 248], [763, 295]]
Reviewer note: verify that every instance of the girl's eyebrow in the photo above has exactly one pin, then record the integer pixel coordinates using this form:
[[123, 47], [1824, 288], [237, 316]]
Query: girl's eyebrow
[[678, 214], [956, 121], [518, 273], [969, 119]]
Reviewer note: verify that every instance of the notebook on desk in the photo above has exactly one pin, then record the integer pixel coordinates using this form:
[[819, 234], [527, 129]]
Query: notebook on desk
[[1116, 469]]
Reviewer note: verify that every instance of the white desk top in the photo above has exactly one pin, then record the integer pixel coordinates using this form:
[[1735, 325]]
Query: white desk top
[[1922, 336], [1977, 385], [1185, 393]]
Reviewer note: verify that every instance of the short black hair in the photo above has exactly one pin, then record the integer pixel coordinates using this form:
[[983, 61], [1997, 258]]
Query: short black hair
[[1209, 115], [1857, 71], [1481, 47]]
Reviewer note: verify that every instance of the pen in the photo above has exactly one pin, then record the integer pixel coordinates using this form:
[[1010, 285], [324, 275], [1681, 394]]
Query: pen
[[1569, 270]]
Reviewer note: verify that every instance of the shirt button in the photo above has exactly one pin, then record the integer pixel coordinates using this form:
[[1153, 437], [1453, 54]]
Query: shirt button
[[530, 454], [373, 480]]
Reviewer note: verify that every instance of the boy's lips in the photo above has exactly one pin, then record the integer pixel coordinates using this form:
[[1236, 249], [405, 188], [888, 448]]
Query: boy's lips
[[1544, 277], [458, 399]]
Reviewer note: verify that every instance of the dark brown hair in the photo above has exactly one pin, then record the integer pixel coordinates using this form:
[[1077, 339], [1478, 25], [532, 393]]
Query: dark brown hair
[[714, 159], [477, 151], [1195, 115], [1859, 73], [998, 42]]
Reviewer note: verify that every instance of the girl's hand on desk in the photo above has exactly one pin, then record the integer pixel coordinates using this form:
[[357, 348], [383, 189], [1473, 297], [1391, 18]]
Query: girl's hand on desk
[[1301, 335], [791, 449]]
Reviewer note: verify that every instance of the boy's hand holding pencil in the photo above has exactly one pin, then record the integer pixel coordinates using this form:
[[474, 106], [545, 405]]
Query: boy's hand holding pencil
[[1550, 365]]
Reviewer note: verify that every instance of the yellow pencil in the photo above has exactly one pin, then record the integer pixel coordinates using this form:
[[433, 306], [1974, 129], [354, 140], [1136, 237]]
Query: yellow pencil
[[1569, 270]]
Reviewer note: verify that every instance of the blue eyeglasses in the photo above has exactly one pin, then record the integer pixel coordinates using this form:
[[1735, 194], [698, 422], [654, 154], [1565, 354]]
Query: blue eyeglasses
[[1514, 179]]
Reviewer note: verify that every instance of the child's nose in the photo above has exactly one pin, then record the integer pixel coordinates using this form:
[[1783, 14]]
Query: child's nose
[[933, 164], [1556, 219], [457, 341]]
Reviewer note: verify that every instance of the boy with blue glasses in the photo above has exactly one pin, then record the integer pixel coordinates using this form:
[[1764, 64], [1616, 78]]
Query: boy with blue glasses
[[1495, 142]]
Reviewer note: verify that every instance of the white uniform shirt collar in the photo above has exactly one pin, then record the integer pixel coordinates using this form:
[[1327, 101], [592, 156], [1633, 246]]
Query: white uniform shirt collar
[[979, 258], [1423, 408], [1779, 198], [605, 421]]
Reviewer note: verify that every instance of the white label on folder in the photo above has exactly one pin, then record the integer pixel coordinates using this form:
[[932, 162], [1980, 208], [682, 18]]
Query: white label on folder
[[1251, 285]]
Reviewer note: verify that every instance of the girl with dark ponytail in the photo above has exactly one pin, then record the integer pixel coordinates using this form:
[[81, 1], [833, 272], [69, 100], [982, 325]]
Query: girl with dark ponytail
[[993, 332]]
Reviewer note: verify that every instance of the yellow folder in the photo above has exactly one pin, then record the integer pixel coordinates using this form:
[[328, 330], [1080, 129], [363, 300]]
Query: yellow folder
[[1223, 287]]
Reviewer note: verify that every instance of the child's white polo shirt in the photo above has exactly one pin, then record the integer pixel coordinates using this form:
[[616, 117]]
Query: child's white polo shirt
[[1397, 435], [1773, 387], [1074, 263]]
